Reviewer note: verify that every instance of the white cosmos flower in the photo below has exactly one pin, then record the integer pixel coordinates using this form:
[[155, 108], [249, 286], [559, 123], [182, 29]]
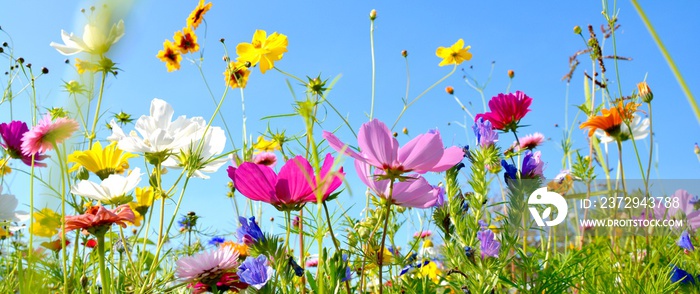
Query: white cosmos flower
[[112, 187], [208, 161], [8, 204], [157, 132], [640, 130], [95, 39]]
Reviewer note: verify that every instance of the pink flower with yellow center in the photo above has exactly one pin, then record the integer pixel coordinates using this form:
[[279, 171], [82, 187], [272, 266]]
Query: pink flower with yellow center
[[42, 137]]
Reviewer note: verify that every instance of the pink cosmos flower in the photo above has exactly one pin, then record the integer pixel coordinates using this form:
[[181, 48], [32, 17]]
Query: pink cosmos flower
[[12, 134], [265, 158], [415, 191], [667, 210], [506, 110], [422, 234], [291, 188], [207, 266], [312, 262], [46, 133], [97, 217], [380, 149], [529, 142]]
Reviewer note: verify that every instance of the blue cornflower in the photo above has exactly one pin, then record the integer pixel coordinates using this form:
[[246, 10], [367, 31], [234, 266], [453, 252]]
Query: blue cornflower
[[249, 232], [255, 271], [685, 242], [216, 240], [187, 222]]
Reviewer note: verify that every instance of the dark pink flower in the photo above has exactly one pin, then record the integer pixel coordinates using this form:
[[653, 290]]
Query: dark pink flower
[[46, 133], [12, 142], [380, 149], [506, 110]]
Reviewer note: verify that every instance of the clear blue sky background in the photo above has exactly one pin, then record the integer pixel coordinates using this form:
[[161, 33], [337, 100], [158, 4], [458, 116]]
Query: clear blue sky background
[[534, 39]]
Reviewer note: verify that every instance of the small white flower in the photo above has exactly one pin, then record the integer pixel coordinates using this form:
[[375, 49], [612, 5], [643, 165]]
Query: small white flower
[[95, 40], [640, 130], [112, 187], [8, 204], [208, 161]]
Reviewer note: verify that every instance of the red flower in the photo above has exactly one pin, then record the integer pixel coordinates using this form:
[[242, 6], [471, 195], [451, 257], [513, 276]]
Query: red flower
[[507, 110], [98, 217], [90, 243]]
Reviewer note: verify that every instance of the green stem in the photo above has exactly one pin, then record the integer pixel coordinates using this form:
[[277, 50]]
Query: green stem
[[288, 219], [669, 60], [104, 274], [380, 254], [97, 110], [336, 243], [371, 47], [651, 149], [406, 106]]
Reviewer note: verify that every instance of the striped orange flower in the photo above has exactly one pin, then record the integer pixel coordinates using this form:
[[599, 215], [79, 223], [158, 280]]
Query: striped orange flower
[[611, 119]]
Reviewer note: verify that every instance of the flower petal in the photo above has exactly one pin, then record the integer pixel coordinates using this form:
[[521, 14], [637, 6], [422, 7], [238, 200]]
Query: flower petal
[[377, 144], [257, 182]]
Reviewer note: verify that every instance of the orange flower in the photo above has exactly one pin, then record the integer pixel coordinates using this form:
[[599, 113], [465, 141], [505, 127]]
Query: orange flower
[[236, 74], [197, 14], [170, 55], [97, 218], [186, 41], [241, 248], [611, 120]]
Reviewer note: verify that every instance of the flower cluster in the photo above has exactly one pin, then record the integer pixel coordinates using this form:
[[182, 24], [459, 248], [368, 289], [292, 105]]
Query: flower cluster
[[185, 40]]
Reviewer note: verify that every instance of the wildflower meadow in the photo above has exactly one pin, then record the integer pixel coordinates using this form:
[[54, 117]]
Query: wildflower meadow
[[318, 147]]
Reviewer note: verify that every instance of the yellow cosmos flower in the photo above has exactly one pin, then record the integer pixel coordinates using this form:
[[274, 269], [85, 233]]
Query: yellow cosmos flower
[[456, 54], [263, 145], [101, 161], [170, 55], [5, 166], [241, 248], [236, 74], [264, 50], [431, 271], [144, 200], [197, 14], [83, 65], [186, 41], [46, 223]]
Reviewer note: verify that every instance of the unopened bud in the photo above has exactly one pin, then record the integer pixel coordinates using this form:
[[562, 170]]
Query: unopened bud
[[44, 70], [645, 92], [450, 90], [697, 149], [577, 30], [396, 134], [511, 73], [404, 53], [405, 131], [373, 14], [222, 40]]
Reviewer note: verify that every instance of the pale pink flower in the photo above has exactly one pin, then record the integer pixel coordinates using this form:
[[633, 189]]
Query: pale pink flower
[[265, 158], [422, 234], [42, 137], [312, 262], [414, 191], [529, 142], [207, 266]]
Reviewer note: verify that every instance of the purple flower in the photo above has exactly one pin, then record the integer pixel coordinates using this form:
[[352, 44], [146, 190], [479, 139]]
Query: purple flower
[[255, 271], [685, 242], [216, 240], [485, 134], [533, 165], [511, 171], [489, 245], [12, 134], [347, 275], [249, 233], [440, 191], [684, 277]]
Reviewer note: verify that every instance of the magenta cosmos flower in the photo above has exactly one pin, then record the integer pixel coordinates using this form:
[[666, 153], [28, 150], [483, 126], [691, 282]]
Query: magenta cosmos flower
[[507, 110], [12, 142], [380, 149], [291, 188], [414, 191], [46, 133]]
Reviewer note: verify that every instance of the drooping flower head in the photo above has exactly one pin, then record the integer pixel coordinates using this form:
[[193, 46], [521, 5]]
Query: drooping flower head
[[529, 142], [425, 153], [507, 110], [96, 40], [12, 134], [112, 190], [103, 162], [170, 55], [197, 15], [413, 191], [249, 232], [255, 271], [98, 219], [488, 243], [685, 242], [264, 49], [455, 54], [485, 134], [236, 74], [611, 119], [42, 137], [206, 266]]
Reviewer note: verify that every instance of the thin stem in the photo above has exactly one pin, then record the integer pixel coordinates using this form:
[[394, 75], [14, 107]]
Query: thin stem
[[104, 274], [669, 60], [380, 254], [336, 243], [651, 149], [288, 219], [371, 47], [31, 213], [97, 110], [406, 106], [301, 249]]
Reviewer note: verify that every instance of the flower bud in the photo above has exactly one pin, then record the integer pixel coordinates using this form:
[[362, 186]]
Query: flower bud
[[697, 149], [45, 70], [396, 134], [373, 14], [450, 90], [645, 92], [404, 53], [511, 73], [405, 131], [577, 30]]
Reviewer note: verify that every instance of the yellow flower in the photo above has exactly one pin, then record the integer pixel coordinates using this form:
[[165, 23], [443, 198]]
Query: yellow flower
[[102, 162], [264, 50], [431, 271], [186, 41], [4, 234], [236, 74], [241, 248], [197, 14], [455, 54], [144, 200], [263, 145], [645, 92], [83, 65], [170, 55], [46, 223], [5, 166]]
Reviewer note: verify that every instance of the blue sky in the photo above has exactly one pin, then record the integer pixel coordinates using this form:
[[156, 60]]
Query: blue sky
[[332, 38]]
